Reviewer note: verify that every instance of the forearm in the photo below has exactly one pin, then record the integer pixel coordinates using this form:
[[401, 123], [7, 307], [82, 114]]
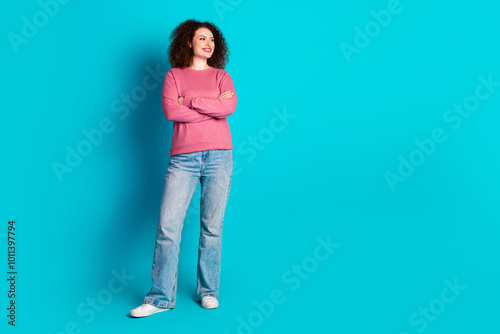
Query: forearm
[[214, 107], [179, 113]]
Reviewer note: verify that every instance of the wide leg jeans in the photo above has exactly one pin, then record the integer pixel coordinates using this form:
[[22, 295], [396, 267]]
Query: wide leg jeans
[[214, 169]]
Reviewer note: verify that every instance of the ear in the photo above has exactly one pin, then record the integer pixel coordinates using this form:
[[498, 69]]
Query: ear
[[190, 45]]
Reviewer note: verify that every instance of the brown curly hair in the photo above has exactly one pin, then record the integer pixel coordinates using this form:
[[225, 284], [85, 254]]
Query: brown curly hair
[[179, 52]]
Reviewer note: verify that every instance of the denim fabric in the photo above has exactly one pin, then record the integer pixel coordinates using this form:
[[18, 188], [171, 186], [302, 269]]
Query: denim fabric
[[214, 169]]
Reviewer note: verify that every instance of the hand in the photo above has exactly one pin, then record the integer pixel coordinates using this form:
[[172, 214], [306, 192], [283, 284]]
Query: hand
[[226, 95], [180, 100]]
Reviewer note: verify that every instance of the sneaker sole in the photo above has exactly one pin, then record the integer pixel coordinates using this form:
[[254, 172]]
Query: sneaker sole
[[134, 315], [210, 307]]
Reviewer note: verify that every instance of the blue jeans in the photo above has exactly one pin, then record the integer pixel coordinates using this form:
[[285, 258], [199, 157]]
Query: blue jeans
[[214, 169]]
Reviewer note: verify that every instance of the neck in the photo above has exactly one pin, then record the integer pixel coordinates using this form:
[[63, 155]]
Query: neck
[[198, 64]]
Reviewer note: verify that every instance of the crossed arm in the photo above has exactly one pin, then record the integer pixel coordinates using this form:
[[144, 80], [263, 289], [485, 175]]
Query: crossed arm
[[196, 109]]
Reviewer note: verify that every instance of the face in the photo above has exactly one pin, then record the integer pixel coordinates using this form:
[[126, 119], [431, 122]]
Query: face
[[203, 43]]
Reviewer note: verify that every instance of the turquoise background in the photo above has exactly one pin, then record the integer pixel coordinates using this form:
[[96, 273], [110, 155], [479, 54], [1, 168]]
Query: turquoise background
[[321, 175]]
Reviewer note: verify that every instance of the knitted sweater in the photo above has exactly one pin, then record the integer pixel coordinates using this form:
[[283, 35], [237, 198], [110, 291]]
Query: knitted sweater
[[200, 122]]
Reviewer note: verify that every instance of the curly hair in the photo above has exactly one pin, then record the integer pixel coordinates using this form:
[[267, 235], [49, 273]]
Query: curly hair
[[179, 52]]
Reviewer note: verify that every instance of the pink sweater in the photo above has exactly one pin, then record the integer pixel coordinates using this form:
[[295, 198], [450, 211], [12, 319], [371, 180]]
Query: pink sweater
[[200, 122]]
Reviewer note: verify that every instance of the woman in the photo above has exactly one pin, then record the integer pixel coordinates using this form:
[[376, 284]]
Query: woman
[[198, 95]]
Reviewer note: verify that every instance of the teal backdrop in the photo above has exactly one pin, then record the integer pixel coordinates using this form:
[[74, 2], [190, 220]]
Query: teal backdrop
[[365, 194]]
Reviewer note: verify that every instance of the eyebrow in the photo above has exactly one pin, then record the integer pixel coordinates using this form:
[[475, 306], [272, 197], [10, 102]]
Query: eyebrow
[[205, 36]]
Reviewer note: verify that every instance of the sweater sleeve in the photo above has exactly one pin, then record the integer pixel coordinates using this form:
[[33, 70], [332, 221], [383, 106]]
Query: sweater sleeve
[[215, 107], [172, 109]]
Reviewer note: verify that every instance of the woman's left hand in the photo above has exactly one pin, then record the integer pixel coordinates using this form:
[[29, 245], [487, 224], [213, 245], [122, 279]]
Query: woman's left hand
[[226, 95], [180, 100]]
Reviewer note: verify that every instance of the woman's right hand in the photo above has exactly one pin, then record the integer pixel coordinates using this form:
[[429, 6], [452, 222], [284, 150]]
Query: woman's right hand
[[226, 95]]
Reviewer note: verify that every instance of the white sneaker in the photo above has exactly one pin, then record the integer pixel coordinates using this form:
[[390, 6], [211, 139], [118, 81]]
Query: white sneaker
[[146, 310], [209, 302]]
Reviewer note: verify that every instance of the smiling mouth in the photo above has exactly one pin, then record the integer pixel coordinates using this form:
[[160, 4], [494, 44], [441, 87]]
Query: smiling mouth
[[207, 50]]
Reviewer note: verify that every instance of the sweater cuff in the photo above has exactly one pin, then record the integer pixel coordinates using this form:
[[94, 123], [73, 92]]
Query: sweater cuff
[[187, 101]]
